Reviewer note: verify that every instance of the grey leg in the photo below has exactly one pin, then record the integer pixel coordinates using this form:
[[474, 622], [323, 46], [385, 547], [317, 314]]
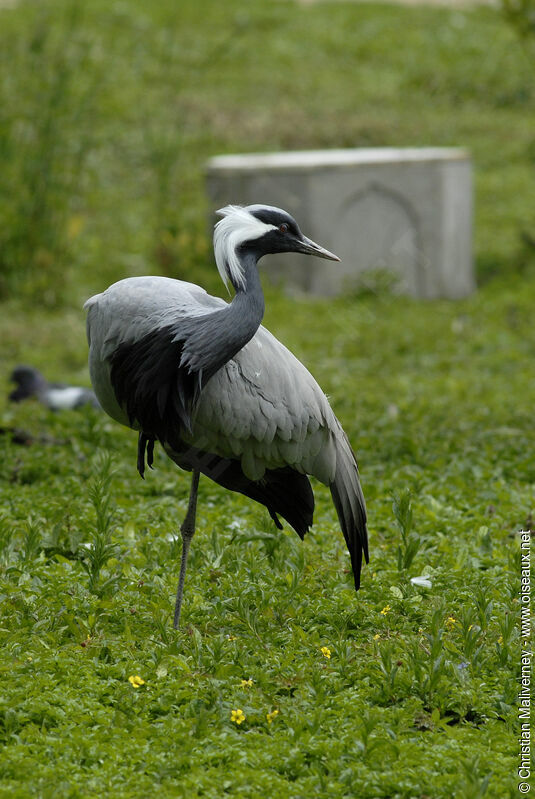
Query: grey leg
[[187, 532]]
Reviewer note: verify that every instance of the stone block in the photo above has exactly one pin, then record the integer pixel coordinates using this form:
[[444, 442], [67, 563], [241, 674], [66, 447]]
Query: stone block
[[405, 211]]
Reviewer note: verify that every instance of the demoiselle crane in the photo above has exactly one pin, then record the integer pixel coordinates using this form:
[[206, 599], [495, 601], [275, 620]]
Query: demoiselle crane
[[218, 391]]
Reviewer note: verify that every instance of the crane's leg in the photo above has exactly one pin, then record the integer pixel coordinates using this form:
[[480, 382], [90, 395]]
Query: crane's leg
[[187, 532]]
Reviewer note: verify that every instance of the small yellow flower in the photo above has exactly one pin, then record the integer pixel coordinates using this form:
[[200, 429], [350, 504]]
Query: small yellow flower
[[135, 681], [385, 610], [232, 637], [376, 637], [246, 683], [451, 622], [500, 639], [326, 652], [272, 715], [420, 630], [237, 716]]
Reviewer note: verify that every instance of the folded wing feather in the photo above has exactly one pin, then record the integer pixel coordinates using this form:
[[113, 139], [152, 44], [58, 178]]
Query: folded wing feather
[[265, 407]]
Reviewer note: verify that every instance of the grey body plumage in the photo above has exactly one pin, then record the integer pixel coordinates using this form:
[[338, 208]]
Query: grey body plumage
[[219, 392]]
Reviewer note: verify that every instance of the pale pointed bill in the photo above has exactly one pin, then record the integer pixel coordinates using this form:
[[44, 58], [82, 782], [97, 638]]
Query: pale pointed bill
[[310, 247]]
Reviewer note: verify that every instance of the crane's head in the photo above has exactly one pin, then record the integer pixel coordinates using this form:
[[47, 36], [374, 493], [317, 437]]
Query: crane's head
[[259, 229]]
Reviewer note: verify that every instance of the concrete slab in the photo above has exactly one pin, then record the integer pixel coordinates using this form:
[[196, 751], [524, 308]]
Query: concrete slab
[[407, 211]]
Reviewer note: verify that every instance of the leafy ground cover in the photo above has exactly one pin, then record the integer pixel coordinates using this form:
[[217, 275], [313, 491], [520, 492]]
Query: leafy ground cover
[[399, 691], [414, 695]]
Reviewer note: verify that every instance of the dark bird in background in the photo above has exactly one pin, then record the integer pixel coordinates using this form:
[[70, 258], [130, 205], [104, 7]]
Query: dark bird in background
[[218, 391], [56, 396]]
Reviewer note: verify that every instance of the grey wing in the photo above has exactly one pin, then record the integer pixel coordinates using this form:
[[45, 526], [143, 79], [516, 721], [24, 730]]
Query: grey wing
[[265, 408], [140, 318], [135, 307]]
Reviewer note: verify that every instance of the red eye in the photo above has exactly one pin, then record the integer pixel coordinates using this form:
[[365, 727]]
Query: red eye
[[284, 228]]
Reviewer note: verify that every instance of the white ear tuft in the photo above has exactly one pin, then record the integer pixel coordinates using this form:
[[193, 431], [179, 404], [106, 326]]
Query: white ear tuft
[[228, 209], [237, 227]]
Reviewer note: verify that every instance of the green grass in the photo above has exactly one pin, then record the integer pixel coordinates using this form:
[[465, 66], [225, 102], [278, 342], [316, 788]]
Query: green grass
[[437, 399], [109, 112], [437, 402]]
